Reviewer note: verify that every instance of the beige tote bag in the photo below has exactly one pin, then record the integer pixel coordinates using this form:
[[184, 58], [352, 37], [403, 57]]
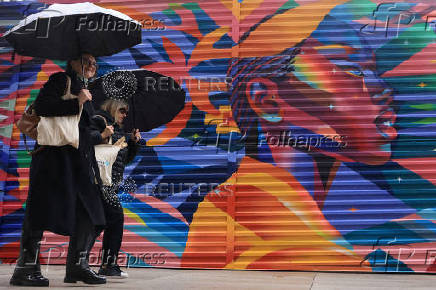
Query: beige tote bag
[[60, 131], [106, 154]]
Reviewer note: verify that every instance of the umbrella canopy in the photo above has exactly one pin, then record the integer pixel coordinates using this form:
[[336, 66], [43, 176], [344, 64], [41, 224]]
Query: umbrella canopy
[[65, 31], [153, 99]]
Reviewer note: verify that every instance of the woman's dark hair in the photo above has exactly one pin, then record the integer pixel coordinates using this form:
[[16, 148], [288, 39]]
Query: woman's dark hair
[[241, 71]]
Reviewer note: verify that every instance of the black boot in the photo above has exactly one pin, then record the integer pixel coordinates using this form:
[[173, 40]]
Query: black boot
[[84, 274], [81, 243], [77, 267], [31, 278], [28, 270]]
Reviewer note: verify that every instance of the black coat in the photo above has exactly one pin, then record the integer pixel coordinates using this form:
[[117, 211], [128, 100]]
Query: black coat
[[125, 155], [59, 176]]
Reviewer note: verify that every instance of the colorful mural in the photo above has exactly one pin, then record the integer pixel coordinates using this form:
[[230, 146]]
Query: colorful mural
[[307, 141]]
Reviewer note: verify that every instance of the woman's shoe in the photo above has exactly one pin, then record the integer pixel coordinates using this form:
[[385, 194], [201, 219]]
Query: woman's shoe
[[29, 279], [112, 271], [86, 275]]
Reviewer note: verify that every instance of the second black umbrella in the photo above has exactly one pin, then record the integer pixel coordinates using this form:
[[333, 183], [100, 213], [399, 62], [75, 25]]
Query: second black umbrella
[[153, 99]]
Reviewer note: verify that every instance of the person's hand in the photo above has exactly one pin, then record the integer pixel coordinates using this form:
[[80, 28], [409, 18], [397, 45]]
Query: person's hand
[[108, 131], [136, 135], [84, 96]]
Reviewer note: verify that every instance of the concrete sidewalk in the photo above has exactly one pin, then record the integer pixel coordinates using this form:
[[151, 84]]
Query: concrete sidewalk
[[164, 279]]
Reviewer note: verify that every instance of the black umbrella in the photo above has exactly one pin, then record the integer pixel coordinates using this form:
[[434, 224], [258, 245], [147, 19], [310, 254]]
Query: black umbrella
[[65, 31], [153, 99]]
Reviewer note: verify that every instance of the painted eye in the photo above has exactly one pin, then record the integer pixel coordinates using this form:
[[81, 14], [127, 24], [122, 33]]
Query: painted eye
[[350, 68], [354, 72]]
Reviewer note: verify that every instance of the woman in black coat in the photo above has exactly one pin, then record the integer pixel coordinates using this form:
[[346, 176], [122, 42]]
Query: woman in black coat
[[113, 113], [65, 187]]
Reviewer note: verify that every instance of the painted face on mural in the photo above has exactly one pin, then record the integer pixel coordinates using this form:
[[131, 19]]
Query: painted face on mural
[[333, 90]]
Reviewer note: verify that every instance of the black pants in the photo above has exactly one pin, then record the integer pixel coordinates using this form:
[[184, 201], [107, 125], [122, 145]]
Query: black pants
[[113, 233], [28, 261], [81, 242]]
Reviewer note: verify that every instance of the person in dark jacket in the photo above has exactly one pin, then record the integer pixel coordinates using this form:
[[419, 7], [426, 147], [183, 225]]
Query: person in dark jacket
[[112, 113], [64, 190]]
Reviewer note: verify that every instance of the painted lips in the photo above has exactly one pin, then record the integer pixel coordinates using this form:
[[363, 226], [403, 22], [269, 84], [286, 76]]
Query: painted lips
[[385, 122], [386, 119]]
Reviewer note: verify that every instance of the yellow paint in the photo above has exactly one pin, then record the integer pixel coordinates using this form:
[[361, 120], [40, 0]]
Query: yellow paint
[[224, 121], [299, 203], [294, 32], [134, 216], [206, 45], [225, 109], [320, 237], [42, 76], [287, 195], [213, 119], [228, 4], [247, 7], [348, 49], [226, 128]]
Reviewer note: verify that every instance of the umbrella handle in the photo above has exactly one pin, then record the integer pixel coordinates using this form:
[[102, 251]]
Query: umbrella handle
[[84, 84]]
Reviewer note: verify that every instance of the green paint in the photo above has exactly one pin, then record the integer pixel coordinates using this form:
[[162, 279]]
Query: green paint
[[407, 146], [61, 63], [170, 13], [289, 5], [33, 95], [426, 121], [191, 6], [410, 84], [417, 35], [8, 105], [426, 107], [6, 131], [23, 159], [172, 6], [361, 8], [409, 42]]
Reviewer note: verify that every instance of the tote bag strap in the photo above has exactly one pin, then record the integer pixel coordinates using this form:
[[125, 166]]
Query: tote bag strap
[[104, 119], [105, 123], [68, 87]]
